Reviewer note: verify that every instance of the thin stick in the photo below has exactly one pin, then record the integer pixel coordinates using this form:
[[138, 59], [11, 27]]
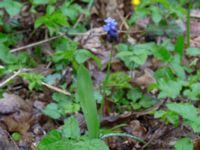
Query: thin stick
[[43, 83], [56, 37], [56, 89], [123, 135], [35, 44], [10, 78]]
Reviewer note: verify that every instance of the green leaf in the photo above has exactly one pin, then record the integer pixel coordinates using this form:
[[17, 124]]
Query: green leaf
[[156, 15], [86, 96], [177, 67], [83, 55], [167, 90], [161, 53], [16, 136], [51, 110], [11, 6], [186, 110], [52, 78], [134, 94], [94, 144], [52, 21], [179, 47], [71, 129], [119, 80], [184, 144], [53, 141], [193, 93], [39, 2], [35, 80], [146, 101], [193, 51]]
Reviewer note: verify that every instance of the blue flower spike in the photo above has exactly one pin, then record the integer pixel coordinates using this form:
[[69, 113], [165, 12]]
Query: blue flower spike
[[111, 28]]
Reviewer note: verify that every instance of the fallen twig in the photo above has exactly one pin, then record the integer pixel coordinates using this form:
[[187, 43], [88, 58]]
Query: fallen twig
[[10, 78], [35, 44], [56, 89], [124, 135], [2, 84]]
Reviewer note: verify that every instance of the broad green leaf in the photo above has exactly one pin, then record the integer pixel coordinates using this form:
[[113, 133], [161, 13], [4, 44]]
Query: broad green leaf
[[193, 51], [164, 73], [161, 53], [11, 6], [51, 110], [177, 67], [122, 47], [184, 144], [35, 80], [16, 136], [167, 116], [53, 141], [166, 89], [71, 129], [52, 21], [193, 93], [146, 101], [134, 94], [86, 97], [94, 144], [83, 55], [156, 14], [5, 55], [186, 110]]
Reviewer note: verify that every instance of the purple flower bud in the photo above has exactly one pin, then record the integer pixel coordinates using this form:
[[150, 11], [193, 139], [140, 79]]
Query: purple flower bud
[[111, 28]]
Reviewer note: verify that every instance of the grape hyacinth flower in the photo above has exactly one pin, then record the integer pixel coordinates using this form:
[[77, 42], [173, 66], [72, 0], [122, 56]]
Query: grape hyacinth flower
[[111, 28]]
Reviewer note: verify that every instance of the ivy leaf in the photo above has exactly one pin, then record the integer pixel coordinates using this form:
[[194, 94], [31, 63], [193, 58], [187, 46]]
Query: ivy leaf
[[11, 6], [183, 144]]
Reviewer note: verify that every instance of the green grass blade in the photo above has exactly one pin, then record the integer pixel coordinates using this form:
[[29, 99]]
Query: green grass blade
[[87, 101]]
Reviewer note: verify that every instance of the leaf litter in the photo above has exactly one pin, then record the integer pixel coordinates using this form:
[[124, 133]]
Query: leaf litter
[[24, 115]]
